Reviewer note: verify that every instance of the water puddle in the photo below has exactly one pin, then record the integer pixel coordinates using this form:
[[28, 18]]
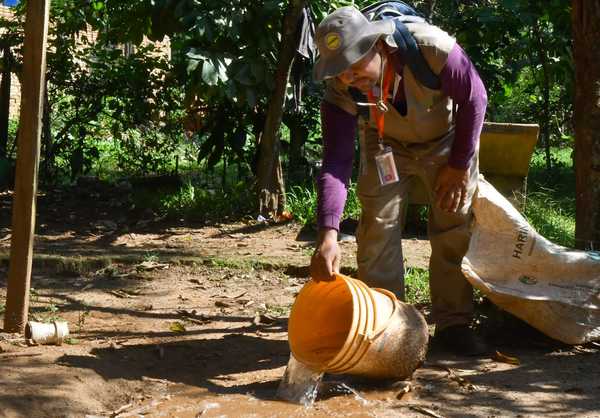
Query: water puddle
[[331, 389], [302, 385]]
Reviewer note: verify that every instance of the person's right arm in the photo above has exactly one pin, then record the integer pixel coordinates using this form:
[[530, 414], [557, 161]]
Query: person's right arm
[[339, 130]]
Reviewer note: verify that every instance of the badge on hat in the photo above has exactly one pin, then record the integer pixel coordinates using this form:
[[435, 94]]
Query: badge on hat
[[333, 41]]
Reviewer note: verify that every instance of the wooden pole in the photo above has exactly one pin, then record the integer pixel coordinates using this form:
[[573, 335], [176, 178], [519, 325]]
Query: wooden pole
[[28, 154]]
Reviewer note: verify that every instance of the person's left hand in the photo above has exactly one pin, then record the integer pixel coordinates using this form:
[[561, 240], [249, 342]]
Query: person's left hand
[[451, 188]]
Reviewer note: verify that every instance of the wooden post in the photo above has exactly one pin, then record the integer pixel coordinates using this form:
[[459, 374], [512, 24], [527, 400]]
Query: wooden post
[[28, 154]]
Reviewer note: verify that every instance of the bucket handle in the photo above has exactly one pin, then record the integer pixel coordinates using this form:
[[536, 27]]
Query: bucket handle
[[375, 334]]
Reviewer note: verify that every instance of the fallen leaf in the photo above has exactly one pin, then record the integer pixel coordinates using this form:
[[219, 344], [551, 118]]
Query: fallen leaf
[[263, 319], [194, 317], [503, 358], [456, 377], [151, 265], [177, 327], [121, 409], [155, 380], [406, 389], [121, 294], [285, 216], [221, 304], [239, 295], [425, 411]]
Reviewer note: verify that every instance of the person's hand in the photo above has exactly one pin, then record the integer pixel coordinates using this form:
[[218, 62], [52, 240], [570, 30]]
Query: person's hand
[[326, 258], [451, 188]]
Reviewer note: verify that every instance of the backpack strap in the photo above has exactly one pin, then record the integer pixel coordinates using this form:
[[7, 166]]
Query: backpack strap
[[414, 58]]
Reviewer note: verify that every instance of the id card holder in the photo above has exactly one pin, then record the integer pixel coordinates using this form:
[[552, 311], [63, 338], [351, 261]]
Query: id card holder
[[386, 166]]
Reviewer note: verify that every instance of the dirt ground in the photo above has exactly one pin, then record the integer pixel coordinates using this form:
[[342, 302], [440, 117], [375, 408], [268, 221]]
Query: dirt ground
[[175, 319]]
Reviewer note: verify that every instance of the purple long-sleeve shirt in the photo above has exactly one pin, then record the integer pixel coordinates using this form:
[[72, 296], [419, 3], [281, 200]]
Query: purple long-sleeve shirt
[[459, 81]]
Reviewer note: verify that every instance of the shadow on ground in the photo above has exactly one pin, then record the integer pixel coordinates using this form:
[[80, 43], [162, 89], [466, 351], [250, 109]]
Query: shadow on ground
[[206, 363]]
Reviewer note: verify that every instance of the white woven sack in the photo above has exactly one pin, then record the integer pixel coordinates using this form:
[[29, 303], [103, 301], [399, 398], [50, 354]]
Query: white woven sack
[[553, 288]]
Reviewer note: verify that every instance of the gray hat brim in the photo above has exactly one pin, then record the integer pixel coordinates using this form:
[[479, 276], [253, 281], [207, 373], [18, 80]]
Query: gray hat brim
[[332, 66]]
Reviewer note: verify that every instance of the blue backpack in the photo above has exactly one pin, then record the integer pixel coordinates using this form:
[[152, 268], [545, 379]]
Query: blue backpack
[[402, 13]]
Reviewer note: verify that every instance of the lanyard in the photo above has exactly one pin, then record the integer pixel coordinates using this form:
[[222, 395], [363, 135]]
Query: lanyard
[[379, 107]]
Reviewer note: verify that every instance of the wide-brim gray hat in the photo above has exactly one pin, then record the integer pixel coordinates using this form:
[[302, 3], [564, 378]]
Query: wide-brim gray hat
[[343, 38]]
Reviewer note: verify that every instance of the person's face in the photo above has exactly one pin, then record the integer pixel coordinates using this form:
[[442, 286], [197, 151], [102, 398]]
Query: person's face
[[363, 74]]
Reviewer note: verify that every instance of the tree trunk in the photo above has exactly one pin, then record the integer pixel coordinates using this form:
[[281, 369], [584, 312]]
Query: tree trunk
[[5, 101], [586, 53], [271, 186]]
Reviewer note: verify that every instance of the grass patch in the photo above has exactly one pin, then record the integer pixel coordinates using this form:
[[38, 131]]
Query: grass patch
[[234, 263], [301, 201], [193, 201], [550, 207], [416, 282]]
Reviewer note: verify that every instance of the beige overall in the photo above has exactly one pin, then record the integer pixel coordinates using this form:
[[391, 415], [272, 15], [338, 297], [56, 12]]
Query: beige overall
[[421, 143]]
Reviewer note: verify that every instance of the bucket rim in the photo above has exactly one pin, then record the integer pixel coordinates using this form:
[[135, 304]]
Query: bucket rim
[[369, 337], [351, 346]]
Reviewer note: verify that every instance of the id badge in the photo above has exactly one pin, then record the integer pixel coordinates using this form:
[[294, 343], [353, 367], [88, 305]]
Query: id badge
[[386, 166]]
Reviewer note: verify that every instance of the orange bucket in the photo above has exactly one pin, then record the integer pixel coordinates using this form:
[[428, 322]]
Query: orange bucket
[[343, 326]]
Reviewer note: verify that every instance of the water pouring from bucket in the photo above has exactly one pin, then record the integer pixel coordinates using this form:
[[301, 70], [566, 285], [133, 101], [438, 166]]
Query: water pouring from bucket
[[343, 326]]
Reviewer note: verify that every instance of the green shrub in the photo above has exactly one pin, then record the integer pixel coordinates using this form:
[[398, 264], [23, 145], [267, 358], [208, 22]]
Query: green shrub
[[301, 201], [195, 202]]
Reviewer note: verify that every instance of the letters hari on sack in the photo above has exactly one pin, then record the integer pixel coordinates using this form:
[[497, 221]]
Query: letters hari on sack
[[521, 241]]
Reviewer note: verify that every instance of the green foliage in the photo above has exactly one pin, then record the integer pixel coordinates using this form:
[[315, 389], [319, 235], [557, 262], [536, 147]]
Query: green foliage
[[301, 201], [196, 202], [141, 121], [550, 204], [416, 282]]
